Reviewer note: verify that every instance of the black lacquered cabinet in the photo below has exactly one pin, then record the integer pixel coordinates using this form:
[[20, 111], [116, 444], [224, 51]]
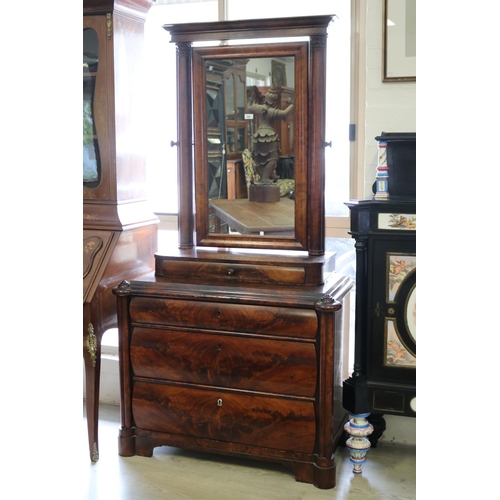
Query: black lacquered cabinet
[[384, 227], [385, 339]]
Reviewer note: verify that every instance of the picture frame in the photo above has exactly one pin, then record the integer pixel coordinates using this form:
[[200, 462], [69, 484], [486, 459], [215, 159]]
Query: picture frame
[[278, 70], [399, 41]]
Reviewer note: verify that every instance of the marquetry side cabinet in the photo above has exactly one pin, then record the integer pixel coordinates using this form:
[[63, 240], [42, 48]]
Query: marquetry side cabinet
[[119, 229]]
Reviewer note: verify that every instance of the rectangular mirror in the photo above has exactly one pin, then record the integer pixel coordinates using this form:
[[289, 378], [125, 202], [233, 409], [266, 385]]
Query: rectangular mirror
[[250, 128], [222, 128]]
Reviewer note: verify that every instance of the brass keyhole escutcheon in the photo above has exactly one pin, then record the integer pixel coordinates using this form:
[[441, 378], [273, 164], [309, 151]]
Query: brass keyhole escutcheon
[[219, 402]]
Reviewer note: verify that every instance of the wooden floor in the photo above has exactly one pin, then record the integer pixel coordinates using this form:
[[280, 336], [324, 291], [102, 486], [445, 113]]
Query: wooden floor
[[174, 474]]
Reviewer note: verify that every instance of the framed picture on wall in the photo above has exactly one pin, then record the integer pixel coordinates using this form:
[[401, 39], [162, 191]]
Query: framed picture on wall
[[399, 41], [278, 73]]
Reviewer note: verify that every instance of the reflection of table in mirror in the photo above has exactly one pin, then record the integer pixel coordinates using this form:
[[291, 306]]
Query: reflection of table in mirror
[[252, 217]]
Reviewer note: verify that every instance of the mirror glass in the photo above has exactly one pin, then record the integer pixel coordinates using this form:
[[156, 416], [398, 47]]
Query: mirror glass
[[249, 161], [250, 127]]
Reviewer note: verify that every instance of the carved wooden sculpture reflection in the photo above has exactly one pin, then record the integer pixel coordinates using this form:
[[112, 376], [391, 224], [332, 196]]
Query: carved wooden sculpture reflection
[[266, 149]]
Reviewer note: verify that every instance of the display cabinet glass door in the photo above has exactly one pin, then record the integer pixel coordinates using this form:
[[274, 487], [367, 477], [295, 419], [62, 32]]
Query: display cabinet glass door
[[91, 157], [98, 142]]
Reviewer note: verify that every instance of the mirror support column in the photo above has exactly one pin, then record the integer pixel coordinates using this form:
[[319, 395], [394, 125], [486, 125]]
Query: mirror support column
[[185, 141], [316, 170]]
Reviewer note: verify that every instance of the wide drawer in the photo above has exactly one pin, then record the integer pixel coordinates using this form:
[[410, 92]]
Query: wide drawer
[[299, 323], [264, 365], [222, 272], [244, 418]]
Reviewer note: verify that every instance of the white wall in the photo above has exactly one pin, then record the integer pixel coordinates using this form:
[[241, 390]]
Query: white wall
[[390, 106]]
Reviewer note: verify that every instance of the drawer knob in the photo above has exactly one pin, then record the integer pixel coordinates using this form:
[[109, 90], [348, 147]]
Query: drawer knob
[[230, 271], [219, 402]]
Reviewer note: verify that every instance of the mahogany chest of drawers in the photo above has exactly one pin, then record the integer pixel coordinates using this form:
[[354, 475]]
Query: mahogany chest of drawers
[[248, 371]]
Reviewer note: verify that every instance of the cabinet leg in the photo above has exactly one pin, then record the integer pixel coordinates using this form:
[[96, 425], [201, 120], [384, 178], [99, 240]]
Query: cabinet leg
[[302, 471], [92, 359], [144, 446], [126, 443], [358, 444], [325, 474]]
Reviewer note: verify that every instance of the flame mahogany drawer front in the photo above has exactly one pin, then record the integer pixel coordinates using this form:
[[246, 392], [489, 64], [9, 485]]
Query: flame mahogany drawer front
[[221, 415], [280, 321], [231, 361], [248, 372], [229, 272]]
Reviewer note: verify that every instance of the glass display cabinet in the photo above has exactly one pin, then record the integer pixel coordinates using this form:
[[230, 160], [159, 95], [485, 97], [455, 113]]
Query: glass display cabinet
[[233, 345], [119, 229]]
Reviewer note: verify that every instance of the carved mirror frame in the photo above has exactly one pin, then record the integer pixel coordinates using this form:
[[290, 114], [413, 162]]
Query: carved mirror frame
[[309, 115]]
